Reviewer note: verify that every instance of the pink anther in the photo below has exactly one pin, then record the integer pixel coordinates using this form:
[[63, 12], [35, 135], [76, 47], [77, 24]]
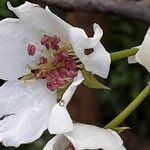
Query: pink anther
[[42, 60], [54, 41], [45, 40], [31, 49]]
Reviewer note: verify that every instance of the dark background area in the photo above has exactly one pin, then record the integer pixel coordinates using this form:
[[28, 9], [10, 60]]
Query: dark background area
[[126, 81]]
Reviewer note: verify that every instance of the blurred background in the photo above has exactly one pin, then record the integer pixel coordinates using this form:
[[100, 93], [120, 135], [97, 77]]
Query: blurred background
[[126, 81]]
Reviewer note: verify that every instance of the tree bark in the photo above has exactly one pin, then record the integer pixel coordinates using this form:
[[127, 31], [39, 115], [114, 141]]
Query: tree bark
[[137, 9]]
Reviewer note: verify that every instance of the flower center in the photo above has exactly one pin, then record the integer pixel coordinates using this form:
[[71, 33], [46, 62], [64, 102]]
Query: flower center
[[62, 68], [58, 67]]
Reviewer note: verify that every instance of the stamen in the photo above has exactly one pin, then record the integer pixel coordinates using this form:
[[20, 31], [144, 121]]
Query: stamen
[[31, 49], [59, 69], [54, 41], [72, 54], [75, 58], [78, 61], [70, 50], [43, 60], [64, 68], [38, 74], [45, 40], [81, 66]]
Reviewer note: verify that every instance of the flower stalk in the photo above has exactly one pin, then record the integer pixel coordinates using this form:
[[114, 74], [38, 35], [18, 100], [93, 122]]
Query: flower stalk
[[123, 54], [129, 109]]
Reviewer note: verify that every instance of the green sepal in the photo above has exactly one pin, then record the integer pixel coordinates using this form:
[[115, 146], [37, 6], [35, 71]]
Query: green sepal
[[60, 93], [62, 90], [120, 129], [91, 82]]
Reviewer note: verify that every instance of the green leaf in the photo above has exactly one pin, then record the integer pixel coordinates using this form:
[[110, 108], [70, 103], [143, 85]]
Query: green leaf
[[91, 82], [120, 129]]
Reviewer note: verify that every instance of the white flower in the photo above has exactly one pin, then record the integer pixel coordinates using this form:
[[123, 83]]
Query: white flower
[[143, 54], [35, 22], [86, 136], [36, 45]]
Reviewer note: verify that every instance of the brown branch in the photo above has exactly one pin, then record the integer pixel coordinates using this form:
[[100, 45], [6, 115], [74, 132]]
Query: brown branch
[[137, 9]]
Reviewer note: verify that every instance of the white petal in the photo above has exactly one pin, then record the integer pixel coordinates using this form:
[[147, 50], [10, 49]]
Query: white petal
[[64, 24], [50, 144], [14, 41], [71, 89], [41, 19], [60, 120], [86, 136], [143, 55], [59, 142], [98, 62], [132, 60], [26, 108]]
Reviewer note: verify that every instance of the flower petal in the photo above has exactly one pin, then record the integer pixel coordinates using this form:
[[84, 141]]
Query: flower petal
[[143, 55], [132, 60], [71, 89], [41, 19], [60, 120], [86, 136], [14, 41], [98, 62], [59, 142], [24, 111]]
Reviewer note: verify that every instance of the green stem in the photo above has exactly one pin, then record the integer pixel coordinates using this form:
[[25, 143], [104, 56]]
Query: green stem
[[123, 54], [130, 108]]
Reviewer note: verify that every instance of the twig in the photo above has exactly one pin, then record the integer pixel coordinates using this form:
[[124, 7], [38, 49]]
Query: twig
[[137, 9]]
